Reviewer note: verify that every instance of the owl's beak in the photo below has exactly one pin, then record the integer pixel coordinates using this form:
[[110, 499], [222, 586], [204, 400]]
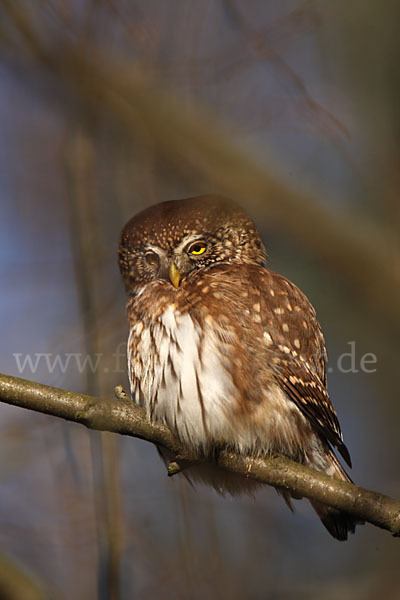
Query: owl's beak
[[174, 275]]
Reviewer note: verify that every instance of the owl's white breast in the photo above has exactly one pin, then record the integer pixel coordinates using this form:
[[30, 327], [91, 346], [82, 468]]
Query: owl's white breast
[[177, 373], [182, 375]]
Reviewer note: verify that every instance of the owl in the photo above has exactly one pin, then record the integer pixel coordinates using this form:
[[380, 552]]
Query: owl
[[221, 349]]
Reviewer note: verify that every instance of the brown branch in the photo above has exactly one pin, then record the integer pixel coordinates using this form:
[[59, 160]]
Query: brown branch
[[124, 417]]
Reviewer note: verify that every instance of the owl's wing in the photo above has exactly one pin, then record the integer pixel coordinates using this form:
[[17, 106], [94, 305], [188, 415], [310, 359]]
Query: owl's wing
[[310, 396], [299, 347]]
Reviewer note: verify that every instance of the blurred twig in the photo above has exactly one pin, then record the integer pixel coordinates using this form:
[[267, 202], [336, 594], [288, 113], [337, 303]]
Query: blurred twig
[[17, 583], [124, 417], [192, 142], [328, 123], [80, 170]]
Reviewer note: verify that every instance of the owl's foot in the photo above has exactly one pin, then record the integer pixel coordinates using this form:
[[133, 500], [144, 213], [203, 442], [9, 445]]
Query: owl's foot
[[120, 393], [173, 468], [178, 465]]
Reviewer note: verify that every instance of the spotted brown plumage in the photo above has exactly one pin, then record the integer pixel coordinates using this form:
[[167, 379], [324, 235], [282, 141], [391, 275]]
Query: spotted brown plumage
[[223, 350]]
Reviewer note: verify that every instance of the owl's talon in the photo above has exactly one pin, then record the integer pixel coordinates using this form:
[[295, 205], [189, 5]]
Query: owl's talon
[[173, 468], [178, 465], [120, 393]]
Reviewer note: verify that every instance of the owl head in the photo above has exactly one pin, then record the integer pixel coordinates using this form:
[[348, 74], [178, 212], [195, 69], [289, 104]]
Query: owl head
[[173, 240]]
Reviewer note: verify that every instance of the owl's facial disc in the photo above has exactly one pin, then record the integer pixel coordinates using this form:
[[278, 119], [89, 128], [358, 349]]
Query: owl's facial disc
[[174, 240]]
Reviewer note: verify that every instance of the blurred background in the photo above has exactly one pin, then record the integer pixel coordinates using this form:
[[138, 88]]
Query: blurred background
[[108, 106]]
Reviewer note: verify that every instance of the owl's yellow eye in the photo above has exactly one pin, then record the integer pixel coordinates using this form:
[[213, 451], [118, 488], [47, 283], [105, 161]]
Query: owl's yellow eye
[[197, 248], [152, 258]]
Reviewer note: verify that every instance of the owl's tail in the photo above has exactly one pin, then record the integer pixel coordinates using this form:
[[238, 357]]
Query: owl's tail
[[338, 523]]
